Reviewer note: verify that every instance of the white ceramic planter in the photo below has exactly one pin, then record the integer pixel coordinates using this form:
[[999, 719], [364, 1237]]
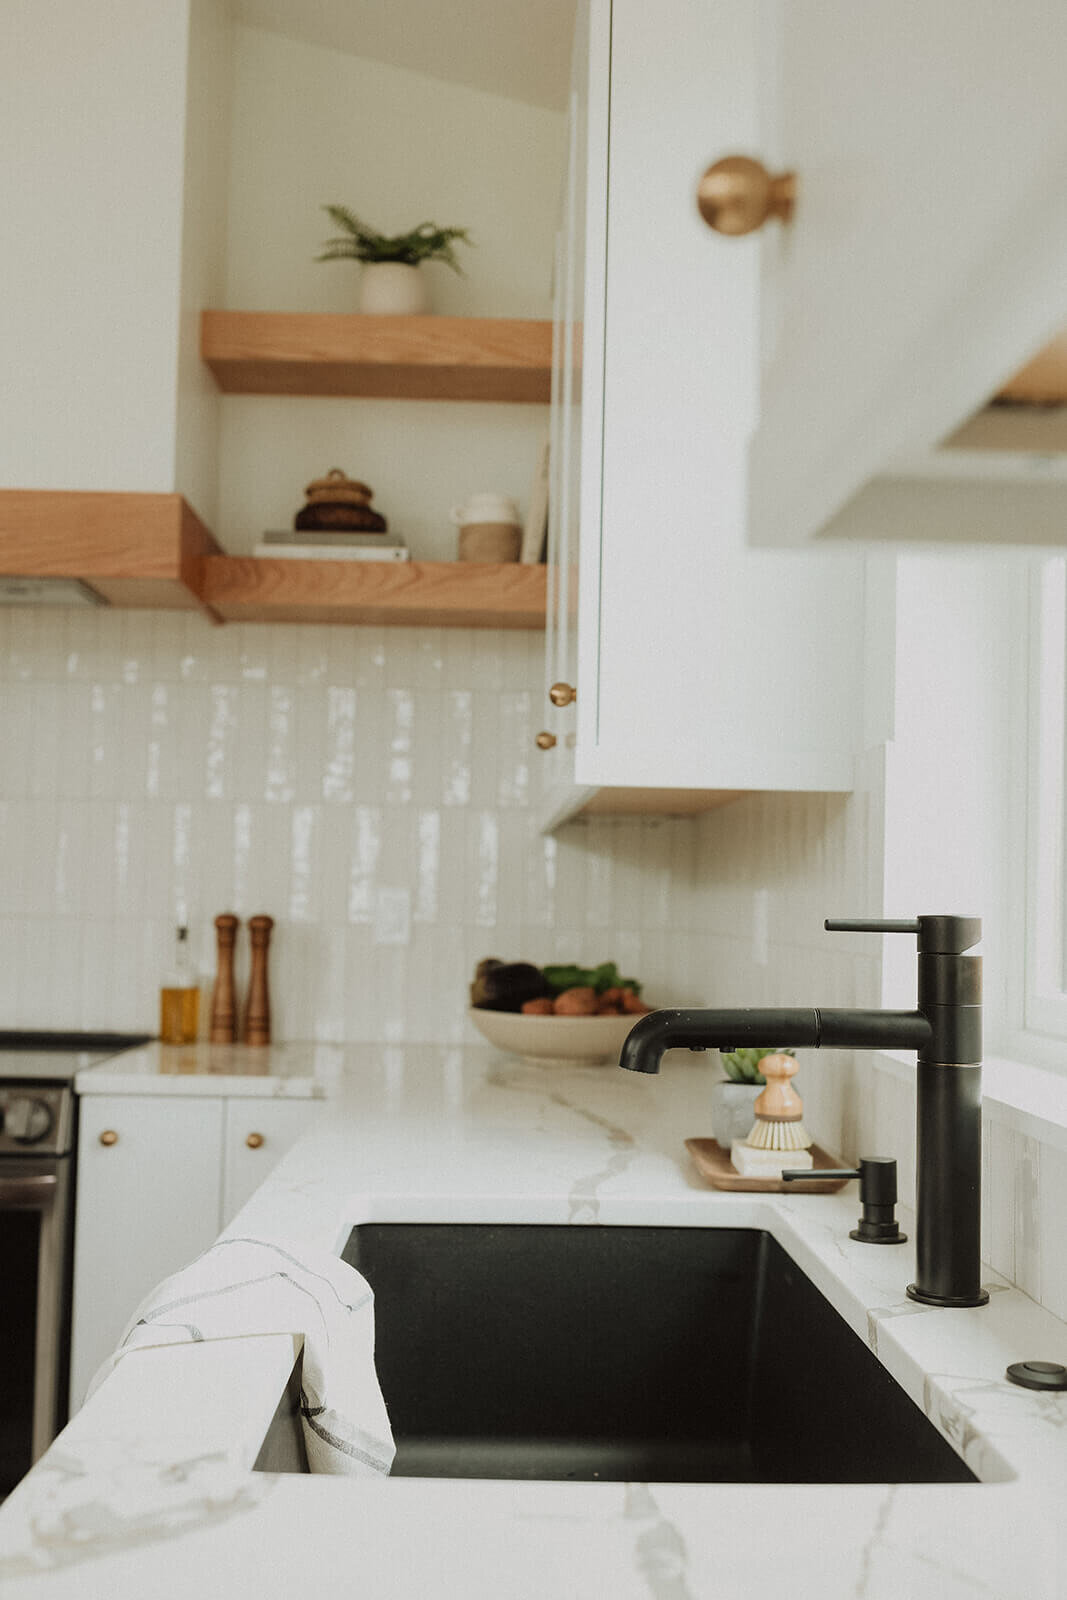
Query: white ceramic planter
[[392, 288], [732, 1115]]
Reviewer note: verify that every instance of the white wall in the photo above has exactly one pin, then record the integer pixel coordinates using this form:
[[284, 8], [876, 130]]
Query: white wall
[[209, 93], [311, 127], [91, 128], [953, 769]]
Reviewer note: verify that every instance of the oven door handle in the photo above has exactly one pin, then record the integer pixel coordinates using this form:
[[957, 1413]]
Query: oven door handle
[[28, 1193]]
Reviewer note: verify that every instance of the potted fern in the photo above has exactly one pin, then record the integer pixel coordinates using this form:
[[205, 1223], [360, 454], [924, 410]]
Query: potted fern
[[734, 1096], [391, 282]]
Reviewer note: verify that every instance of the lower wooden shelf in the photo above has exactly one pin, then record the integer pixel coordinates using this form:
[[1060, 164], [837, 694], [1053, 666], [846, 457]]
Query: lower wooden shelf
[[439, 594]]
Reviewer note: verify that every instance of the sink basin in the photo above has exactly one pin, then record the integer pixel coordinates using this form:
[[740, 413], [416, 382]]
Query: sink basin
[[628, 1353]]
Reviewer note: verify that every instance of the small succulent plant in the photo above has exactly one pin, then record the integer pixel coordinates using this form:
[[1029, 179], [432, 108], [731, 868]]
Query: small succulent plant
[[358, 242], [743, 1065]]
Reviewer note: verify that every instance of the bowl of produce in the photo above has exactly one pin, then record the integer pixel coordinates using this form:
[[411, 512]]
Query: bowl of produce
[[565, 1014]]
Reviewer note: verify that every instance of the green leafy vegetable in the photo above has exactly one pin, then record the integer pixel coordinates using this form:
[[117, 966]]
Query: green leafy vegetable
[[606, 976]]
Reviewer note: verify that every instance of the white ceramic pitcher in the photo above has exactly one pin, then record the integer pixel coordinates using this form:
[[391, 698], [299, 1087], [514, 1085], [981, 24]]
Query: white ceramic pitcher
[[489, 528]]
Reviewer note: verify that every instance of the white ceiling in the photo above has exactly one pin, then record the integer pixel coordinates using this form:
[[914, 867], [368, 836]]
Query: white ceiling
[[516, 48]]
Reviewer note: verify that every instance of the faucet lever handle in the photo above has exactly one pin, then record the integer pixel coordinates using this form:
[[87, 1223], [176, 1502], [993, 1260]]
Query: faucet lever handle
[[943, 936], [865, 925]]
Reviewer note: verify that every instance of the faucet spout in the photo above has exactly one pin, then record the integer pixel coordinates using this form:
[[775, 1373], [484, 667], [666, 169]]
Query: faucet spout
[[806, 1027]]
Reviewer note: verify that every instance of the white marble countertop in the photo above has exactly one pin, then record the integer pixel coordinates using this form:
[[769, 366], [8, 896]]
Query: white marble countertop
[[297, 1071], [149, 1490]]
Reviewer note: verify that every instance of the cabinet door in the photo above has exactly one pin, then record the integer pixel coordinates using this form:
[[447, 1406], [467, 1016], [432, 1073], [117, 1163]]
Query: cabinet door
[[561, 645], [147, 1203], [702, 664], [258, 1133], [924, 263]]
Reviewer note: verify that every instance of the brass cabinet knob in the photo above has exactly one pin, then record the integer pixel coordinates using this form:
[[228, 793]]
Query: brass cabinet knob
[[562, 694], [254, 1140], [109, 1136], [738, 195], [545, 741]]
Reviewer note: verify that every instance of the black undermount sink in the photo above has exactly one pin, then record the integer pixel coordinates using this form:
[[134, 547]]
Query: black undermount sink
[[628, 1353]]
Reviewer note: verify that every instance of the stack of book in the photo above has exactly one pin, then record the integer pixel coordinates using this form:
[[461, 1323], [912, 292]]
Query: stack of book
[[318, 546]]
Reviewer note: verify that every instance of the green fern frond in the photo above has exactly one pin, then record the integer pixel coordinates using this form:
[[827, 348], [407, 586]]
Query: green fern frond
[[427, 242]]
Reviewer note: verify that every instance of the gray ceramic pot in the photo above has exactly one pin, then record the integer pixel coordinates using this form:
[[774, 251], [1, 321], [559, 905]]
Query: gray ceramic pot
[[732, 1115]]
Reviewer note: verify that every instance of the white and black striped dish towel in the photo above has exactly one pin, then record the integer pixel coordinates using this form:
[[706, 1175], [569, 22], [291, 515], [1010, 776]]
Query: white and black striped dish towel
[[250, 1286]]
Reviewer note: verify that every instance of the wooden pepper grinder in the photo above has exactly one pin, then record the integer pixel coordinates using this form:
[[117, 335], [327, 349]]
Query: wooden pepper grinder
[[257, 1015], [224, 995]]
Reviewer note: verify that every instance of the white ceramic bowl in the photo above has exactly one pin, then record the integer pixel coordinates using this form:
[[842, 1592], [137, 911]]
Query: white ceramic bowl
[[575, 1040]]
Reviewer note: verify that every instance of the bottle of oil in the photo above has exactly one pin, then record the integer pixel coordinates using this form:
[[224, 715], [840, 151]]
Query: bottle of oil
[[179, 996]]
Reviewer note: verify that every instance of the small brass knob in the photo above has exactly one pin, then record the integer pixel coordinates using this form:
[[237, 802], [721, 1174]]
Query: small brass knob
[[545, 741], [738, 195], [109, 1136], [254, 1140], [562, 694]]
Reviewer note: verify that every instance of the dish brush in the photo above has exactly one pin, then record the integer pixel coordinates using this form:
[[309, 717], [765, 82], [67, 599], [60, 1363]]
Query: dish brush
[[779, 1109]]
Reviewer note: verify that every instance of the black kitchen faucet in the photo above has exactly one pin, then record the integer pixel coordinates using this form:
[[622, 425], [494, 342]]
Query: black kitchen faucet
[[946, 1031]]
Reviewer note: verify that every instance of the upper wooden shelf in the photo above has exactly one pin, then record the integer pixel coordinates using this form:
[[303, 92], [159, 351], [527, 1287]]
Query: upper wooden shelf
[[436, 594], [392, 358], [133, 549]]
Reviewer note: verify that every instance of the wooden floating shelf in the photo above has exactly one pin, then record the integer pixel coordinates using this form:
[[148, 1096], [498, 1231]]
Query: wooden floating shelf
[[413, 594], [143, 550], [391, 358]]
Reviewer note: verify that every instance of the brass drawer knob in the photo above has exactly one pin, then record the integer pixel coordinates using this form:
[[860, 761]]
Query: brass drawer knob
[[562, 694], [254, 1140], [545, 741], [738, 195], [109, 1136]]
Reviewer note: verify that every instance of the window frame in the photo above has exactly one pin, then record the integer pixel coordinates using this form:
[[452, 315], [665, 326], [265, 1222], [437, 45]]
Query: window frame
[[1042, 1004]]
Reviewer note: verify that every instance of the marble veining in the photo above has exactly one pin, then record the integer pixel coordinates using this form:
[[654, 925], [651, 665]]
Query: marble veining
[[876, 1538], [583, 1200], [660, 1554], [123, 1496]]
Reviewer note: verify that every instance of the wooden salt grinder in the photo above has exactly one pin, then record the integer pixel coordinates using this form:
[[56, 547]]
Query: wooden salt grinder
[[224, 997], [257, 1015]]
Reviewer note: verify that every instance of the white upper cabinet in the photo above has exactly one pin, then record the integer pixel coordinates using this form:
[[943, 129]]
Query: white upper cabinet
[[703, 667], [925, 263]]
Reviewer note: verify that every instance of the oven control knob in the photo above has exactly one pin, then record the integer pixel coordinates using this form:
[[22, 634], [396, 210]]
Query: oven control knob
[[27, 1121]]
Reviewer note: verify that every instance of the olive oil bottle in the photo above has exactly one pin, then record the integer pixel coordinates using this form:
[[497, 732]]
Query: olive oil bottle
[[179, 996]]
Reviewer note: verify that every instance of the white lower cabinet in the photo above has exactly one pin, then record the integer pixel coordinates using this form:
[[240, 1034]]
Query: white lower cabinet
[[158, 1178], [258, 1133]]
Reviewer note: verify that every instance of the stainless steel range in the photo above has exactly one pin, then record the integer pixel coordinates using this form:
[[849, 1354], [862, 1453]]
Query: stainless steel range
[[38, 1118]]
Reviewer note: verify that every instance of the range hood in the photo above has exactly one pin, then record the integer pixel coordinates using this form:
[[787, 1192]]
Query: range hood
[[47, 592]]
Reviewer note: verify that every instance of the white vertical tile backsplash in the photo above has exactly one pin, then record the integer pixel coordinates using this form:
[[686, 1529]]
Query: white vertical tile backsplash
[[374, 790]]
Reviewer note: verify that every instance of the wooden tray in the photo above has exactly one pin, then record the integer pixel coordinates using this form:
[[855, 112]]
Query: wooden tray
[[713, 1163]]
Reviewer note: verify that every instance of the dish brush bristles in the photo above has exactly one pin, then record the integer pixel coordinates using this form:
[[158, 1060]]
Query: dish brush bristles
[[778, 1135]]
